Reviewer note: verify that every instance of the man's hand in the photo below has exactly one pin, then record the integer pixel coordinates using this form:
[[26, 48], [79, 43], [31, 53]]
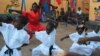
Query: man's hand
[[83, 40]]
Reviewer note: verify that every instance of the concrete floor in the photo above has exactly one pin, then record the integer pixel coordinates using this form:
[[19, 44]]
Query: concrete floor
[[62, 31]]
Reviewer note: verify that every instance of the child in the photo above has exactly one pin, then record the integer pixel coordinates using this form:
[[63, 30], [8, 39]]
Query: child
[[33, 17], [14, 36], [79, 11], [91, 37], [43, 17], [77, 49], [94, 33], [47, 38], [80, 31]]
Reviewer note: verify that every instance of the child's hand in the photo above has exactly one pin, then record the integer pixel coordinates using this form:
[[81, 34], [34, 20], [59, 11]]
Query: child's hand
[[82, 40], [62, 39]]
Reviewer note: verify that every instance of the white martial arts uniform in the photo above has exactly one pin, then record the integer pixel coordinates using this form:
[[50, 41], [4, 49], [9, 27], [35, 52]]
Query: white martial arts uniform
[[93, 34], [47, 41], [13, 39], [80, 49]]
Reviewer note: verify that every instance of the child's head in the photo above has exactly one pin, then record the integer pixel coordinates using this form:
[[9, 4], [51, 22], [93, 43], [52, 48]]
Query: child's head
[[1, 19], [57, 12], [79, 8], [99, 7], [95, 8], [97, 29], [80, 29], [51, 25], [9, 19], [20, 22], [34, 6], [6, 19]]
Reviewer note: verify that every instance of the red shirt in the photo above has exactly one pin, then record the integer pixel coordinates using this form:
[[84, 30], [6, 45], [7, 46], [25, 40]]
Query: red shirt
[[33, 21]]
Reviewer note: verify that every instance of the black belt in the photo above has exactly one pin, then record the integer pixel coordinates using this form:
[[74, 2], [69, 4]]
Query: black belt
[[50, 50], [9, 51]]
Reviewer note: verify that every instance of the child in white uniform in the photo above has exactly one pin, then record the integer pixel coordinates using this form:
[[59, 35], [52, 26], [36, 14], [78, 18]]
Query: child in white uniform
[[77, 49], [94, 33], [14, 36], [47, 38], [94, 38]]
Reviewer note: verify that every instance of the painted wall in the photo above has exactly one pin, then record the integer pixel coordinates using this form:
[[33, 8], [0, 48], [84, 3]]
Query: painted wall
[[92, 6], [4, 3], [62, 5], [79, 3], [84, 4]]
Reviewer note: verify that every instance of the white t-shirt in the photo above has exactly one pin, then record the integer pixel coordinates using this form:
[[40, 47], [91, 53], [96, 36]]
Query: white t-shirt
[[79, 12]]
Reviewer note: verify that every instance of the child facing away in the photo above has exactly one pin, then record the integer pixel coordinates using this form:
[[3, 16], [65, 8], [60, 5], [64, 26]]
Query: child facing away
[[14, 36], [47, 38]]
